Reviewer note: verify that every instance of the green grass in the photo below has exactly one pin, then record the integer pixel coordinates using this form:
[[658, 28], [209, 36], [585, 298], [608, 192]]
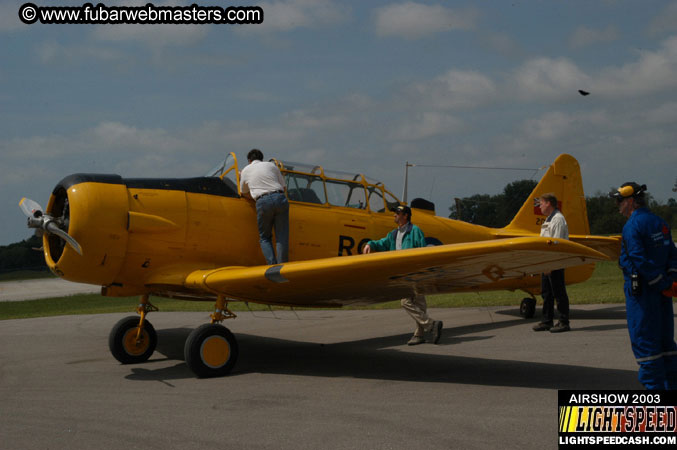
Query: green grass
[[605, 286]]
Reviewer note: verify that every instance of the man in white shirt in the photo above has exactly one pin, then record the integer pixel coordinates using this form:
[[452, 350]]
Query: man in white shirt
[[263, 182], [552, 283]]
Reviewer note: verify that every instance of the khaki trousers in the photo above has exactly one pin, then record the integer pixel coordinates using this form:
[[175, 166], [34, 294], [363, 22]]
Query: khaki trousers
[[417, 308]]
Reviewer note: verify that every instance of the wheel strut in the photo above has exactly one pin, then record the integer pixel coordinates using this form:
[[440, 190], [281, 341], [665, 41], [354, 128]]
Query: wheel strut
[[221, 311], [145, 306]]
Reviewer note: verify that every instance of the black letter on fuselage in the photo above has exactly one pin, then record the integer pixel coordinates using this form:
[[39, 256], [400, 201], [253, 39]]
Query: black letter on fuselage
[[342, 245], [361, 244]]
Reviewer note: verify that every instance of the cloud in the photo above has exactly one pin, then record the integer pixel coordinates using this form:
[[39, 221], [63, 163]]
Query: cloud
[[9, 17], [289, 15], [426, 125], [663, 114], [152, 36], [53, 52], [452, 90], [653, 71], [416, 20], [584, 36], [547, 79], [665, 22]]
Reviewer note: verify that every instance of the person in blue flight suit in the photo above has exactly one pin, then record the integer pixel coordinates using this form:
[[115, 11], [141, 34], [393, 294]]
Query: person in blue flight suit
[[649, 262]]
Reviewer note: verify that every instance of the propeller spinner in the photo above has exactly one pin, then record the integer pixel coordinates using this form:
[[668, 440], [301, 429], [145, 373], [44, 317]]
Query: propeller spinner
[[41, 221]]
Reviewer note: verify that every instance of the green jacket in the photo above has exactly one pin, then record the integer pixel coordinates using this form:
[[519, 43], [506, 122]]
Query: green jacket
[[413, 238]]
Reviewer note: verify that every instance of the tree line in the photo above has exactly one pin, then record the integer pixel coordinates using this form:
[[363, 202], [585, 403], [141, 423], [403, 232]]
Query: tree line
[[498, 210], [22, 256]]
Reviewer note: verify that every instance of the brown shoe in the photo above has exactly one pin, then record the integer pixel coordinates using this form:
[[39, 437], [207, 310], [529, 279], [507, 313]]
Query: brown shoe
[[415, 340]]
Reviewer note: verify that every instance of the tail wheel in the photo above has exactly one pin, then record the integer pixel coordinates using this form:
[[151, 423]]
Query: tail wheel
[[528, 307], [211, 351], [124, 344]]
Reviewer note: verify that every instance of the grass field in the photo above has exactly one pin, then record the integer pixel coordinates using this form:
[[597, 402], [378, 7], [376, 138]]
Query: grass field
[[605, 286]]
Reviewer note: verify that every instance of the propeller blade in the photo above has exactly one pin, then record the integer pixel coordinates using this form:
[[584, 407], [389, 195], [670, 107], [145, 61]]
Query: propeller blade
[[54, 229], [29, 207]]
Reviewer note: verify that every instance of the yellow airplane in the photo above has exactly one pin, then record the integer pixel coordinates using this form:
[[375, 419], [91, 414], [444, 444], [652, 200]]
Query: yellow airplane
[[197, 239]]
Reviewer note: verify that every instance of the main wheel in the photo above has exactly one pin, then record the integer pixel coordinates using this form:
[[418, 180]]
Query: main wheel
[[211, 350], [123, 343], [528, 307]]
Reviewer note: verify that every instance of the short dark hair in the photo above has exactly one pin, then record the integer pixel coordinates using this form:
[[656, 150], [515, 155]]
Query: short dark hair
[[255, 154], [550, 198]]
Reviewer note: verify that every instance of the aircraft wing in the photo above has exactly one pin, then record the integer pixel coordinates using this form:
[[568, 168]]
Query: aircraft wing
[[609, 245], [378, 277]]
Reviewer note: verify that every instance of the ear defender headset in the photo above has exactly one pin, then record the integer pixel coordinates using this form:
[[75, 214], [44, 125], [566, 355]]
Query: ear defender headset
[[626, 190]]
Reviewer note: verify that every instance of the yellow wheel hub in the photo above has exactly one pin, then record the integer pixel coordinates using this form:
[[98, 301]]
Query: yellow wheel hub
[[215, 351], [131, 345]]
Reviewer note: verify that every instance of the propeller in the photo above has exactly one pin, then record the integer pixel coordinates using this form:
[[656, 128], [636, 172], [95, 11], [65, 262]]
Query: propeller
[[41, 221]]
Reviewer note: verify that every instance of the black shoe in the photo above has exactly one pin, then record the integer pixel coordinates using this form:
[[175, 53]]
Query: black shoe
[[560, 328], [437, 331], [543, 326]]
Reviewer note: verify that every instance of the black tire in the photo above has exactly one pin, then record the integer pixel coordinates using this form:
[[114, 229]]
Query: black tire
[[211, 351], [528, 307], [122, 341]]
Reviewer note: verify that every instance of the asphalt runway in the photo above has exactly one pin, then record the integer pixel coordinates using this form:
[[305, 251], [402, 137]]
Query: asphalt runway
[[12, 291], [327, 379]]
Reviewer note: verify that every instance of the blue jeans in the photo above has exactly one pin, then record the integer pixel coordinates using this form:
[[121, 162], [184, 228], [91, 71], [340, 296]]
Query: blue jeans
[[272, 211]]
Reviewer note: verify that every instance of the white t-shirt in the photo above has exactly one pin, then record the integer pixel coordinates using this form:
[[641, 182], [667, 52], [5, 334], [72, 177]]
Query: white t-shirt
[[260, 178]]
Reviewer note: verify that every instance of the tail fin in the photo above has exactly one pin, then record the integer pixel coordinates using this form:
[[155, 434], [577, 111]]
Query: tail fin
[[563, 179]]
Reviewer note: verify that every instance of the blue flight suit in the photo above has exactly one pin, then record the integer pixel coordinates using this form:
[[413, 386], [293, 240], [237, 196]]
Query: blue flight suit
[[648, 251]]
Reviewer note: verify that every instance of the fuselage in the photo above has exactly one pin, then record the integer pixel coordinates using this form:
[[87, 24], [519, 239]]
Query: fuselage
[[144, 236], [130, 228]]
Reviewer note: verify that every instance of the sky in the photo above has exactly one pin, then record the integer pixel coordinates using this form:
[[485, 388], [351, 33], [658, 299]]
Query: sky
[[356, 86]]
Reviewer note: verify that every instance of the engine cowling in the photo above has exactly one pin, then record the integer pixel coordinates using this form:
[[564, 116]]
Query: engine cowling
[[94, 211]]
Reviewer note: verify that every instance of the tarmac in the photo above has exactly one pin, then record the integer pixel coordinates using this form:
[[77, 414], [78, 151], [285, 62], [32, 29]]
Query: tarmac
[[329, 379], [12, 291]]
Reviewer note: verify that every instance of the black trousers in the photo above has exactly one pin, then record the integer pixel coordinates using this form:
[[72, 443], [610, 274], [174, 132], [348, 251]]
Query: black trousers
[[553, 288]]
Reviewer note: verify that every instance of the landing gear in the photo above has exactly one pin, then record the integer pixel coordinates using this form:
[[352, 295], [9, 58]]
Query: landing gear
[[528, 307], [211, 350], [128, 345], [132, 340]]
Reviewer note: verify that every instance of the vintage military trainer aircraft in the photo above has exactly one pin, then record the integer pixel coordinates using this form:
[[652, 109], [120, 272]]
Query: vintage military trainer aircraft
[[196, 239]]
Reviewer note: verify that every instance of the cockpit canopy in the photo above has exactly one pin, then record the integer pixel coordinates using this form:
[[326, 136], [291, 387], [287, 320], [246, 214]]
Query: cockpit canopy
[[312, 184]]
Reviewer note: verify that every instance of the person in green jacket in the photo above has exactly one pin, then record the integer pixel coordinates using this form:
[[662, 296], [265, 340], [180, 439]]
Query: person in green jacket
[[408, 235]]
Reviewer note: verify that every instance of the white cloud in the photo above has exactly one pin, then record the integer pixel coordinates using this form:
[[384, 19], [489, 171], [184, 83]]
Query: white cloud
[[9, 17], [663, 114], [426, 125], [415, 20], [288, 15], [557, 125], [584, 36], [653, 71], [153, 36], [666, 21], [453, 89], [548, 79], [53, 52]]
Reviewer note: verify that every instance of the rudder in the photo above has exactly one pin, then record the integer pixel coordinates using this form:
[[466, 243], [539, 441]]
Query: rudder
[[563, 179]]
